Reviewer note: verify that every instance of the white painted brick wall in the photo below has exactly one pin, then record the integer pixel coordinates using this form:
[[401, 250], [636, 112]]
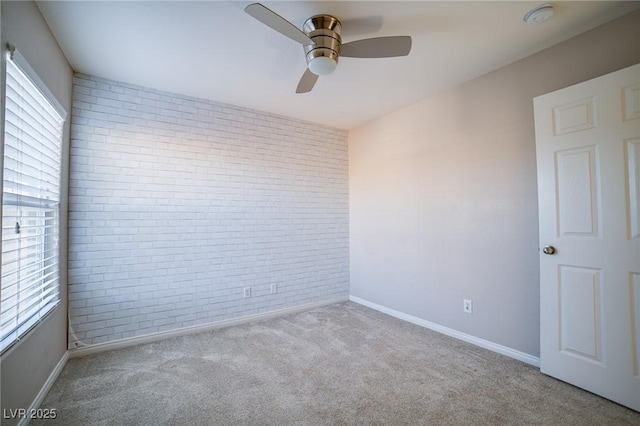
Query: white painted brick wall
[[178, 203]]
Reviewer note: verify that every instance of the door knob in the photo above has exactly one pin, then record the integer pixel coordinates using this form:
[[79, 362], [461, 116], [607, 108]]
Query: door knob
[[549, 250]]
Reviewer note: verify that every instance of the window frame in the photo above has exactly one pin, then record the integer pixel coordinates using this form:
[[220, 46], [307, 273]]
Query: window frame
[[44, 211]]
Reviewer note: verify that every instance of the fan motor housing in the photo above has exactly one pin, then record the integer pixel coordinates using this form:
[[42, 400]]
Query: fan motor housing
[[322, 56]]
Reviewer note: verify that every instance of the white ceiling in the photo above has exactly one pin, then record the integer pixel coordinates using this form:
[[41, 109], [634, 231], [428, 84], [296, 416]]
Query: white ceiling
[[214, 50]]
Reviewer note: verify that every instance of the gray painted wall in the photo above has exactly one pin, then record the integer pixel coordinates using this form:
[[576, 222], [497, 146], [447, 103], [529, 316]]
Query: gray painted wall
[[443, 197], [25, 367], [177, 204]]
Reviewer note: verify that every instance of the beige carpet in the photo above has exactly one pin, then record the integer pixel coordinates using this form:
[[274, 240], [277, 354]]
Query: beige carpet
[[339, 364]]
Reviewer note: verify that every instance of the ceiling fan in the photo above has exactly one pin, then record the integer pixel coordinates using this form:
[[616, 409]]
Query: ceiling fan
[[320, 37]]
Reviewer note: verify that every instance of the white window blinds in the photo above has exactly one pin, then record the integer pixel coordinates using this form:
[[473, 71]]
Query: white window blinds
[[30, 204]]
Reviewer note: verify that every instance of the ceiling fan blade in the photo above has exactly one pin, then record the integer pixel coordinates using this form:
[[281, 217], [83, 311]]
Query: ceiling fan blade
[[379, 47], [277, 22], [307, 82]]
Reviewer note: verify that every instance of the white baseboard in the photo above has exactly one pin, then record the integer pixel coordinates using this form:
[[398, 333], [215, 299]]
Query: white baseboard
[[503, 350], [45, 388], [155, 337]]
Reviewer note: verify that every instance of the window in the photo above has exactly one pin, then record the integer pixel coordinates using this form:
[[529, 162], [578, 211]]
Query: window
[[30, 284]]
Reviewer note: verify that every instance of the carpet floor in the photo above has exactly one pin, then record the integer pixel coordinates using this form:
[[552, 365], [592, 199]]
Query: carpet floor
[[341, 364]]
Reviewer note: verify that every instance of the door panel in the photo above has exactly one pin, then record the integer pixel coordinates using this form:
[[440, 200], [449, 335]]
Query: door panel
[[588, 153], [577, 192], [633, 187], [580, 307], [631, 102], [634, 296], [573, 117]]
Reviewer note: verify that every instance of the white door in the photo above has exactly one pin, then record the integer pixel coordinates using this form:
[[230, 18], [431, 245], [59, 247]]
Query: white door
[[588, 153]]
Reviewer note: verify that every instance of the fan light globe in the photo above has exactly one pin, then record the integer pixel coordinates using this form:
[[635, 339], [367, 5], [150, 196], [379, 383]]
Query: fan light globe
[[322, 65]]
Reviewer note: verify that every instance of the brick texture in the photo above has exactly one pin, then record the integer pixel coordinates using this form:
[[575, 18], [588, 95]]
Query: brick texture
[[176, 204]]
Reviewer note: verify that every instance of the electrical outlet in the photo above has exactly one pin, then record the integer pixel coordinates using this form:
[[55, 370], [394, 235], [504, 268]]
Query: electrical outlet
[[466, 306], [274, 288], [247, 292]]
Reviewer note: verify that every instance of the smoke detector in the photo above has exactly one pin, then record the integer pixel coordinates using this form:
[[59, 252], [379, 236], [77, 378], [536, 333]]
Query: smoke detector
[[539, 14]]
